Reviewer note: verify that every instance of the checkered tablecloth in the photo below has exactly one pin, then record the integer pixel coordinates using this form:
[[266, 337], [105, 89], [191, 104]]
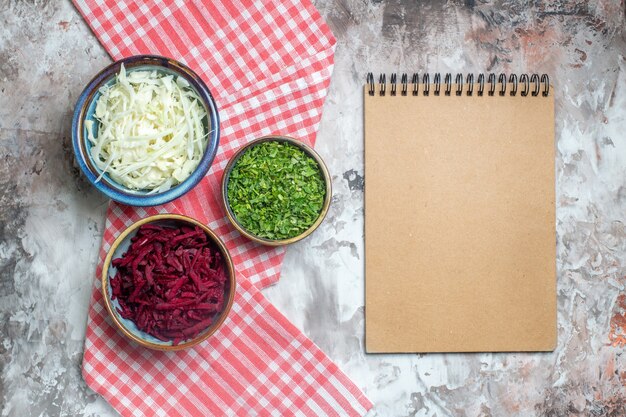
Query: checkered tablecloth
[[268, 65]]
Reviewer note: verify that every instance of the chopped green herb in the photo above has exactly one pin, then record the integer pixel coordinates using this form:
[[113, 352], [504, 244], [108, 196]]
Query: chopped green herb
[[276, 190]]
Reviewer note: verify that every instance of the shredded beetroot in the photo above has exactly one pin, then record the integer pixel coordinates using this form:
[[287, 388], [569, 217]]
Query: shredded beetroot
[[171, 282]]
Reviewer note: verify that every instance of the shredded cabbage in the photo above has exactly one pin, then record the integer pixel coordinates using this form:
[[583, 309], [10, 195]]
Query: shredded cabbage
[[150, 134]]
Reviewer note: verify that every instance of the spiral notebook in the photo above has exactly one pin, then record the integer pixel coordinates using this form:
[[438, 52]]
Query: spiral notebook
[[459, 213]]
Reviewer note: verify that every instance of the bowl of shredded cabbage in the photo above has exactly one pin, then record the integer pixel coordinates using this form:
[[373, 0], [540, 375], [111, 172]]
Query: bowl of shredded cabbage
[[145, 130]]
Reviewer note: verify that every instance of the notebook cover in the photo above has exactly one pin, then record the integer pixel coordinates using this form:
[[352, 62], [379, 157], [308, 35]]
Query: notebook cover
[[459, 223]]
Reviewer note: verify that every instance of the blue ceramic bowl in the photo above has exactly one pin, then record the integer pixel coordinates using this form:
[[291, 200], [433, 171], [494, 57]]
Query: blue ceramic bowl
[[128, 327], [85, 108]]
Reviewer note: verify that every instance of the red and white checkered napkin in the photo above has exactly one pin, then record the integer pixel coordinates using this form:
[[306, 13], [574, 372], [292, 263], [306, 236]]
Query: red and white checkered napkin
[[268, 65]]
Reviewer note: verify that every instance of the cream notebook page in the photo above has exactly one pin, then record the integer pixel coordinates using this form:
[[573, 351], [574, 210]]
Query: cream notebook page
[[459, 222]]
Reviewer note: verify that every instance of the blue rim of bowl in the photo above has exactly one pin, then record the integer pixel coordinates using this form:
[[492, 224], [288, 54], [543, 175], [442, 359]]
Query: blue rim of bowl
[[79, 141]]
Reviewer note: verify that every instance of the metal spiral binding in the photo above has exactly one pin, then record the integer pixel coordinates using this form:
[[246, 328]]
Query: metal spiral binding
[[502, 81], [448, 81], [370, 82], [513, 80], [470, 84], [534, 84], [404, 84], [481, 84], [492, 83]]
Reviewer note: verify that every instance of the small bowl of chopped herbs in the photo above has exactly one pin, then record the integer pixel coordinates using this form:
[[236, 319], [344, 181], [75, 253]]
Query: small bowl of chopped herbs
[[276, 190]]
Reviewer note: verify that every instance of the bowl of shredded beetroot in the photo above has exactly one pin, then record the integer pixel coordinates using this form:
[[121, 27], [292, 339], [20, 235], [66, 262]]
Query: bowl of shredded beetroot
[[168, 282]]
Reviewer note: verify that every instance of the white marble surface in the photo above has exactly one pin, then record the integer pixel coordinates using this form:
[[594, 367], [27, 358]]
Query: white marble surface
[[51, 220]]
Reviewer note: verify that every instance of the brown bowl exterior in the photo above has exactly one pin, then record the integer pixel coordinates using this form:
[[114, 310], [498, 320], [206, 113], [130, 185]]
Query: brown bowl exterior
[[309, 151], [231, 280]]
